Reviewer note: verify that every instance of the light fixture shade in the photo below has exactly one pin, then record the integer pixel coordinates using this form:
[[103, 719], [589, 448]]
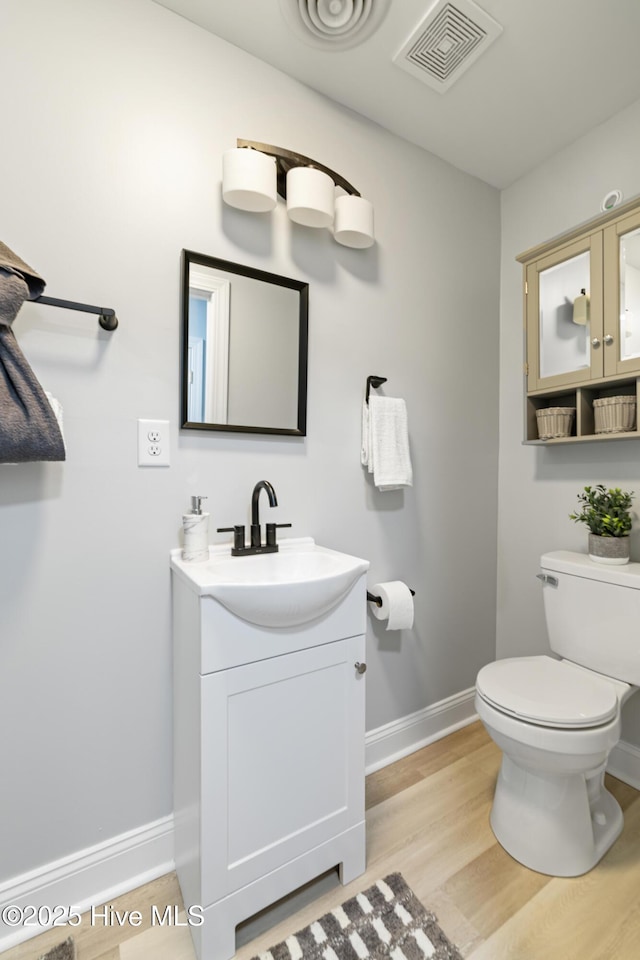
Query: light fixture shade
[[353, 226], [249, 180], [310, 197]]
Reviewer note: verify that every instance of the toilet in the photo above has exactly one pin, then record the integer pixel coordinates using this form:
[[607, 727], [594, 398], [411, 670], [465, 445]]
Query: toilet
[[557, 720]]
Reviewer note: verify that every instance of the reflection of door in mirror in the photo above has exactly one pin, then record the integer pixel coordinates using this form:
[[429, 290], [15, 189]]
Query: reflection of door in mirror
[[564, 345], [196, 379], [630, 295], [208, 347]]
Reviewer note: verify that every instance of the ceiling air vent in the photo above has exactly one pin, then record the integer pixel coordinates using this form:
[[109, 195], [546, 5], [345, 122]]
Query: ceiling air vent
[[446, 43], [334, 24]]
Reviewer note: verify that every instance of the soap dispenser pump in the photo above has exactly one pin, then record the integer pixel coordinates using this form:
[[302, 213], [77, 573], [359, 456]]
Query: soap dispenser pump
[[196, 532]]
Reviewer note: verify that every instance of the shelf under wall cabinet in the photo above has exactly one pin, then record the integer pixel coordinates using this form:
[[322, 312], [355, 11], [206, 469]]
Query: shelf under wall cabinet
[[584, 426]]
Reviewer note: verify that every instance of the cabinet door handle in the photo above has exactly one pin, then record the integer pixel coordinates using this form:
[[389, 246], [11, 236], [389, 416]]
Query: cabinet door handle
[[595, 342], [608, 339], [361, 667]]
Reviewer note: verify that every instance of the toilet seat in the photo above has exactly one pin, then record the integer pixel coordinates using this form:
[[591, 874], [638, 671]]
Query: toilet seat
[[548, 692]]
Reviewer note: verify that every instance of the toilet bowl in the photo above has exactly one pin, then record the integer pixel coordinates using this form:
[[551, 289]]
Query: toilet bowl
[[557, 720], [551, 810]]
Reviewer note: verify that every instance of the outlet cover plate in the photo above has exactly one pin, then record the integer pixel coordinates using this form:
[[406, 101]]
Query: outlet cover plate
[[153, 443]]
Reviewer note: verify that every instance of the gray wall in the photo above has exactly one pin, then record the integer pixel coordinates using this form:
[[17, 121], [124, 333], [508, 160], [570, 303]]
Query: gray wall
[[538, 486], [112, 145]]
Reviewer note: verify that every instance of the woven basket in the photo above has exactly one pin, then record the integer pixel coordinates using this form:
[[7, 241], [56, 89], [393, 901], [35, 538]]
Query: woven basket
[[554, 422], [614, 414]]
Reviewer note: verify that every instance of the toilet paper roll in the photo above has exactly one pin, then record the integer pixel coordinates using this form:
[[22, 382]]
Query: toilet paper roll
[[196, 536], [397, 604]]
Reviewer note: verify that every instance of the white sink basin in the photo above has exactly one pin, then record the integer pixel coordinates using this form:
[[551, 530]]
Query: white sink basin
[[299, 583]]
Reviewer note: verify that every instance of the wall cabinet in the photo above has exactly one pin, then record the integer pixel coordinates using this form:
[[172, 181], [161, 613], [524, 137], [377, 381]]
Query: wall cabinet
[[582, 322], [268, 757]]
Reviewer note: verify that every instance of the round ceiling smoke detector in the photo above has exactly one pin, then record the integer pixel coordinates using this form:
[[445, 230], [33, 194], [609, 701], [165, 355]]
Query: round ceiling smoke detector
[[334, 24]]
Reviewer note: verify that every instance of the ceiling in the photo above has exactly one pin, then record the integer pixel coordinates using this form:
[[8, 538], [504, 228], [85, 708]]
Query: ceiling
[[557, 70]]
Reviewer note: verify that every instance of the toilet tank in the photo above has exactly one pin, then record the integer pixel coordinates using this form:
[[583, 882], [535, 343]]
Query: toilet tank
[[593, 613]]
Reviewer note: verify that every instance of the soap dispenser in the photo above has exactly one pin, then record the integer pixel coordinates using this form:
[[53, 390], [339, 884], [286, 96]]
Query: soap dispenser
[[196, 532]]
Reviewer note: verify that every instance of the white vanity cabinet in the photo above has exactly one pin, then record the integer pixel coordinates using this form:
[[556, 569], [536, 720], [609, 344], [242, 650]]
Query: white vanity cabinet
[[268, 756]]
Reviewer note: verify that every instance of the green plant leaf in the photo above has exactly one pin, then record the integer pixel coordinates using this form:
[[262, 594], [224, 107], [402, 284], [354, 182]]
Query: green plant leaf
[[606, 512]]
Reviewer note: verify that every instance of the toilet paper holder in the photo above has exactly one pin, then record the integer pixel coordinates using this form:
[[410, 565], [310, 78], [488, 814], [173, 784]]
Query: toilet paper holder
[[371, 597]]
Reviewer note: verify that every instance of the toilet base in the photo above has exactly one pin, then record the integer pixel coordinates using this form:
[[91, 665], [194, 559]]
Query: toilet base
[[560, 825]]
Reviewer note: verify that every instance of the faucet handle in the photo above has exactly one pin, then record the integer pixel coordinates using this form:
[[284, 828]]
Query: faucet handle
[[238, 535], [271, 532]]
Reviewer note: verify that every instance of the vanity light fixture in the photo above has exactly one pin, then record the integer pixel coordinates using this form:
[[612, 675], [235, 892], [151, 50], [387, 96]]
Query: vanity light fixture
[[253, 174]]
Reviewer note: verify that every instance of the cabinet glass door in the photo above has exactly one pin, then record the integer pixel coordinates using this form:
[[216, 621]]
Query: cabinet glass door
[[564, 307], [622, 296], [564, 341], [630, 295]]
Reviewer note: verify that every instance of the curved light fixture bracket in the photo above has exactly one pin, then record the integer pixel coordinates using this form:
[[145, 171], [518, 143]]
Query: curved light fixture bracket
[[286, 160]]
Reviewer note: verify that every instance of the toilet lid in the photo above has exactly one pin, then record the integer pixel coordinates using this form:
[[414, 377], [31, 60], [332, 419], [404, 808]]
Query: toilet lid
[[548, 692]]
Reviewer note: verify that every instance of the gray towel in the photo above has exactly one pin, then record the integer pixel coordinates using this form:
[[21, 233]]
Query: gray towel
[[29, 428], [12, 263]]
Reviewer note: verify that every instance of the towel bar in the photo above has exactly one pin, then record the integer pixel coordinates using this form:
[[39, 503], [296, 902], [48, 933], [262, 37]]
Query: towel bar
[[371, 597], [107, 318], [374, 381]]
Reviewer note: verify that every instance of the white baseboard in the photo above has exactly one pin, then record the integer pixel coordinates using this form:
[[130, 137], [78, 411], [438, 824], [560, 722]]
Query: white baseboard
[[401, 737], [92, 877], [624, 763]]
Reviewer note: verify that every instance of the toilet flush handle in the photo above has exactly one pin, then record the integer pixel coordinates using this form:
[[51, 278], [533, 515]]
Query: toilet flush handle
[[547, 578]]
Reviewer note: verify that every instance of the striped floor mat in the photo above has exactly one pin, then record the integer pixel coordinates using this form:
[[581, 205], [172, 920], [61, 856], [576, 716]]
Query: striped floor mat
[[64, 951], [385, 921]]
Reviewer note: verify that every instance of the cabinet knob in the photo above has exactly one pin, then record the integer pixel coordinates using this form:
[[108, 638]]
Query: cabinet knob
[[595, 342], [608, 339], [361, 667]]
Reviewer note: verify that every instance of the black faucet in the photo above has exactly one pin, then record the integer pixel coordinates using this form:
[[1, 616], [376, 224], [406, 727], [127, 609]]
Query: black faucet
[[270, 546], [255, 512]]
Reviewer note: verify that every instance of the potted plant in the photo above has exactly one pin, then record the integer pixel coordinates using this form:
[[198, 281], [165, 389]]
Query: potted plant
[[607, 514]]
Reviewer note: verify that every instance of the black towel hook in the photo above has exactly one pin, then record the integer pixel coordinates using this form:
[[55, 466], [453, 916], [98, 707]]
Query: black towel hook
[[374, 381]]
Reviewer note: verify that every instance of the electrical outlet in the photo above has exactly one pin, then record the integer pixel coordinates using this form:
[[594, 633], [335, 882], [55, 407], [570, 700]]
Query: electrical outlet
[[153, 443]]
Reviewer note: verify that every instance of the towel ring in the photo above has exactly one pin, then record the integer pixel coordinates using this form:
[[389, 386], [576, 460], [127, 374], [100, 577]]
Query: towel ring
[[374, 381]]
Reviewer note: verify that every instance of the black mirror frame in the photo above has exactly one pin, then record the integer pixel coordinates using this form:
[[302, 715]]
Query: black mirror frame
[[189, 257]]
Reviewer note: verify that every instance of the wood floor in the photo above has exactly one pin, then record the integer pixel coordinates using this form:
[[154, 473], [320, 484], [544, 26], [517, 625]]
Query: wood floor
[[427, 817]]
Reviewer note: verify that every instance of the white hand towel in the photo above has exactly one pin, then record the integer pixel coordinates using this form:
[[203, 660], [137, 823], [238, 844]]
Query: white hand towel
[[385, 443], [366, 440]]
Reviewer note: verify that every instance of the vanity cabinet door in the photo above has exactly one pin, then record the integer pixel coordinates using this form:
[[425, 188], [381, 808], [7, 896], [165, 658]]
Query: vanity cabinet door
[[283, 761], [561, 352], [622, 296]]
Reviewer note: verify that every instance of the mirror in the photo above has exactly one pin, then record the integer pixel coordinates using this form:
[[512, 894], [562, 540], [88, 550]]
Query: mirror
[[244, 348]]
